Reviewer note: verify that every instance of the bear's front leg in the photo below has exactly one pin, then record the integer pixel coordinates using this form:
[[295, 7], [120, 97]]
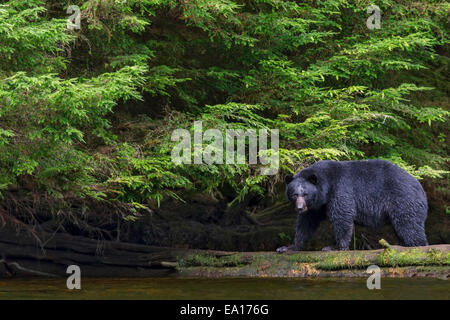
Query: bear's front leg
[[343, 231], [307, 223]]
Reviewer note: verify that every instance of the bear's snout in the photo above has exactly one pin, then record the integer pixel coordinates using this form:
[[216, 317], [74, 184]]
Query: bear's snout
[[300, 204]]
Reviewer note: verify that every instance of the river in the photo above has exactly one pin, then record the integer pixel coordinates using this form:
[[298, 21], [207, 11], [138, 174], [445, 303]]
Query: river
[[225, 288]]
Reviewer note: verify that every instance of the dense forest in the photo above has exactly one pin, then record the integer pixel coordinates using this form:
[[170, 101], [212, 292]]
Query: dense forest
[[91, 92]]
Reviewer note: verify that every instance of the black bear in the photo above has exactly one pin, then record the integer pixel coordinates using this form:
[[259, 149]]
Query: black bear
[[367, 192]]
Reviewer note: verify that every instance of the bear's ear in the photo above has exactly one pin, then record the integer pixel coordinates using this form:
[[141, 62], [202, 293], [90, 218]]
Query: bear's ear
[[312, 178], [288, 178]]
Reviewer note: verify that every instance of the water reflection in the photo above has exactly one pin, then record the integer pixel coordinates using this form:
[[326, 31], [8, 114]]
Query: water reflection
[[236, 288]]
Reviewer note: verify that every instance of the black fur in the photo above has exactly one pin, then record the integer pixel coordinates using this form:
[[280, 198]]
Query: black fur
[[368, 192]]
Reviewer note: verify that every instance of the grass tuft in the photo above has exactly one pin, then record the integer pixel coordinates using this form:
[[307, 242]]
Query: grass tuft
[[204, 260]]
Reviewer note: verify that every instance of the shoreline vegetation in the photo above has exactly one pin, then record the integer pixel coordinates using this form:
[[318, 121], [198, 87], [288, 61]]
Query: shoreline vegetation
[[119, 259], [399, 262]]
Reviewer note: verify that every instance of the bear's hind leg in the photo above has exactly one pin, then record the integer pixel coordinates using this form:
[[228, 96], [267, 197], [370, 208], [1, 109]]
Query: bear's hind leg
[[410, 233], [341, 213]]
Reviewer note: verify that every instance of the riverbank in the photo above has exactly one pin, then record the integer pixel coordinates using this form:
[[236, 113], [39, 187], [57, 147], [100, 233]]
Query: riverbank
[[23, 256], [394, 261]]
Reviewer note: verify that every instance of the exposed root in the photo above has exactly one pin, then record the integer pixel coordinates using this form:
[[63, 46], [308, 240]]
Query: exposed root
[[14, 267]]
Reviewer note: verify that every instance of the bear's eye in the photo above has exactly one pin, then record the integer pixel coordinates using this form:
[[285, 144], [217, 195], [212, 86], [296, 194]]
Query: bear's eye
[[305, 194]]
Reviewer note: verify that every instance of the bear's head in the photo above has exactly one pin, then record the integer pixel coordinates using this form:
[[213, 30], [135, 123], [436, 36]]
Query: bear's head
[[303, 190]]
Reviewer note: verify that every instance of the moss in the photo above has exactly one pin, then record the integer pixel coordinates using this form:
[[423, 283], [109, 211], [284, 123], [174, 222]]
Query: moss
[[384, 243], [305, 258], [437, 257], [262, 257], [414, 257], [307, 264], [344, 261], [432, 269], [205, 260]]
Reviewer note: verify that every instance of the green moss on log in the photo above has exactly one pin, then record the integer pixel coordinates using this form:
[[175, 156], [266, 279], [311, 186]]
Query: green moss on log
[[413, 257], [344, 261], [205, 260], [264, 264]]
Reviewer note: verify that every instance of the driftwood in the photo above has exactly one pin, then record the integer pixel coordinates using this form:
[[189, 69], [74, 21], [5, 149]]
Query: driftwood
[[51, 254]]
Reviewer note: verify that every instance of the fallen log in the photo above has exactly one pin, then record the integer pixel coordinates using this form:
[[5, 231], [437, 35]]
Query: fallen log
[[49, 255], [394, 261]]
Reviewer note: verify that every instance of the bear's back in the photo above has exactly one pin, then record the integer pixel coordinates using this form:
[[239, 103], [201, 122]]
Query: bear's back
[[372, 177]]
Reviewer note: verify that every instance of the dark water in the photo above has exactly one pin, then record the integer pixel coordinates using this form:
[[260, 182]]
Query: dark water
[[248, 288]]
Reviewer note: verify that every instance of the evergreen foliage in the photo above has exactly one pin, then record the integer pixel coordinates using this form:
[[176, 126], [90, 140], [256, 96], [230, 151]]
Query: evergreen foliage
[[88, 114]]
